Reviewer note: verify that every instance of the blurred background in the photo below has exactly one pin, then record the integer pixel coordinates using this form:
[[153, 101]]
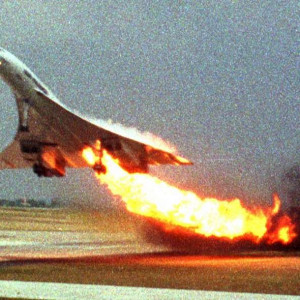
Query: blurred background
[[217, 79]]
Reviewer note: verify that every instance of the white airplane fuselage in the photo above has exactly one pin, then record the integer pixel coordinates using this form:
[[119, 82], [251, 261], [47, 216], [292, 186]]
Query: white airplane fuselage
[[57, 144], [51, 137]]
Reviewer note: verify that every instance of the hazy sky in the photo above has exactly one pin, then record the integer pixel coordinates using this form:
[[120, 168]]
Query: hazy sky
[[219, 79]]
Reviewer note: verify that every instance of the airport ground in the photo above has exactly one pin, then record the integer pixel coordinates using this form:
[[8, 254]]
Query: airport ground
[[106, 248]]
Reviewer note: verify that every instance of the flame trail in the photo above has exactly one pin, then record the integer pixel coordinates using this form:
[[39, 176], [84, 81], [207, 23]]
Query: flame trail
[[151, 197]]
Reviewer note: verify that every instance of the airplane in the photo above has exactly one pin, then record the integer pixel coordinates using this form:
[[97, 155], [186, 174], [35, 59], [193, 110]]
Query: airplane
[[50, 137]]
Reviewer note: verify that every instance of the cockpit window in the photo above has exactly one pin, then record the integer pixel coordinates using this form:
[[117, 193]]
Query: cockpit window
[[38, 84], [27, 74]]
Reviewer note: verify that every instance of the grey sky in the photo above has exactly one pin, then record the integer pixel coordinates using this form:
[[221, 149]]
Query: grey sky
[[219, 79]]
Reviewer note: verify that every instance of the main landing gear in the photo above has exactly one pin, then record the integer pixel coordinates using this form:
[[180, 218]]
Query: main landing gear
[[99, 167]]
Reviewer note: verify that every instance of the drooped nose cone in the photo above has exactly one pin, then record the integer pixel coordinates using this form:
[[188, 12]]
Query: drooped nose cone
[[1, 64], [2, 51], [4, 55], [4, 64]]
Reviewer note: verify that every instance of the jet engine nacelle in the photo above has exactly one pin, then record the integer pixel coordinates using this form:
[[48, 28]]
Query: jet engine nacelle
[[140, 166], [48, 159], [42, 171], [52, 161]]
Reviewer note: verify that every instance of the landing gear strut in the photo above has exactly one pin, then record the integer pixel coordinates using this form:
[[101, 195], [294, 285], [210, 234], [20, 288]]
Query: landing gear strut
[[99, 168], [24, 118]]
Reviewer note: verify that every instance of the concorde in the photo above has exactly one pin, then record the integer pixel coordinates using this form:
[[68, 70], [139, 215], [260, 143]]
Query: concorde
[[50, 137]]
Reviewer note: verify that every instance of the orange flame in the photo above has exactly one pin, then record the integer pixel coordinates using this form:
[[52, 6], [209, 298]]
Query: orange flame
[[277, 203], [89, 156], [149, 196], [283, 233]]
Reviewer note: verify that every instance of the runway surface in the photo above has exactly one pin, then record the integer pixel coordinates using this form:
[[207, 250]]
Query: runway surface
[[34, 290], [24, 245], [121, 260], [92, 253]]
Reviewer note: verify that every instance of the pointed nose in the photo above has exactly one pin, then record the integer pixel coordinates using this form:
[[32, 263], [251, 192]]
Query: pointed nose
[[2, 61], [3, 66]]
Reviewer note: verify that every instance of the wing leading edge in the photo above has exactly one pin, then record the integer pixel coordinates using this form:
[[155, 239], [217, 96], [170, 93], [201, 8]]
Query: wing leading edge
[[130, 148]]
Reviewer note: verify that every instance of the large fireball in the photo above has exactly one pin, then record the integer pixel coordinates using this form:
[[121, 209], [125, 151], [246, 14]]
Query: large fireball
[[151, 197]]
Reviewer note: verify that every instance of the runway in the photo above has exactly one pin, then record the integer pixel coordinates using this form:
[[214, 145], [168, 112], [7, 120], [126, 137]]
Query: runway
[[26, 245], [34, 290], [111, 257], [120, 260]]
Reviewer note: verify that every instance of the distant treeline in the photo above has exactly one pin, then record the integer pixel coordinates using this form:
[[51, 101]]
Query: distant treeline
[[29, 203]]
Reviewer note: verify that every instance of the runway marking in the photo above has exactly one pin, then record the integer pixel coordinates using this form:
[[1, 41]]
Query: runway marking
[[16, 243], [47, 290]]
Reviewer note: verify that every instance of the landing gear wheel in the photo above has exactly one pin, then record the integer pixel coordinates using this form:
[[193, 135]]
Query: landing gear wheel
[[38, 170], [100, 169]]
